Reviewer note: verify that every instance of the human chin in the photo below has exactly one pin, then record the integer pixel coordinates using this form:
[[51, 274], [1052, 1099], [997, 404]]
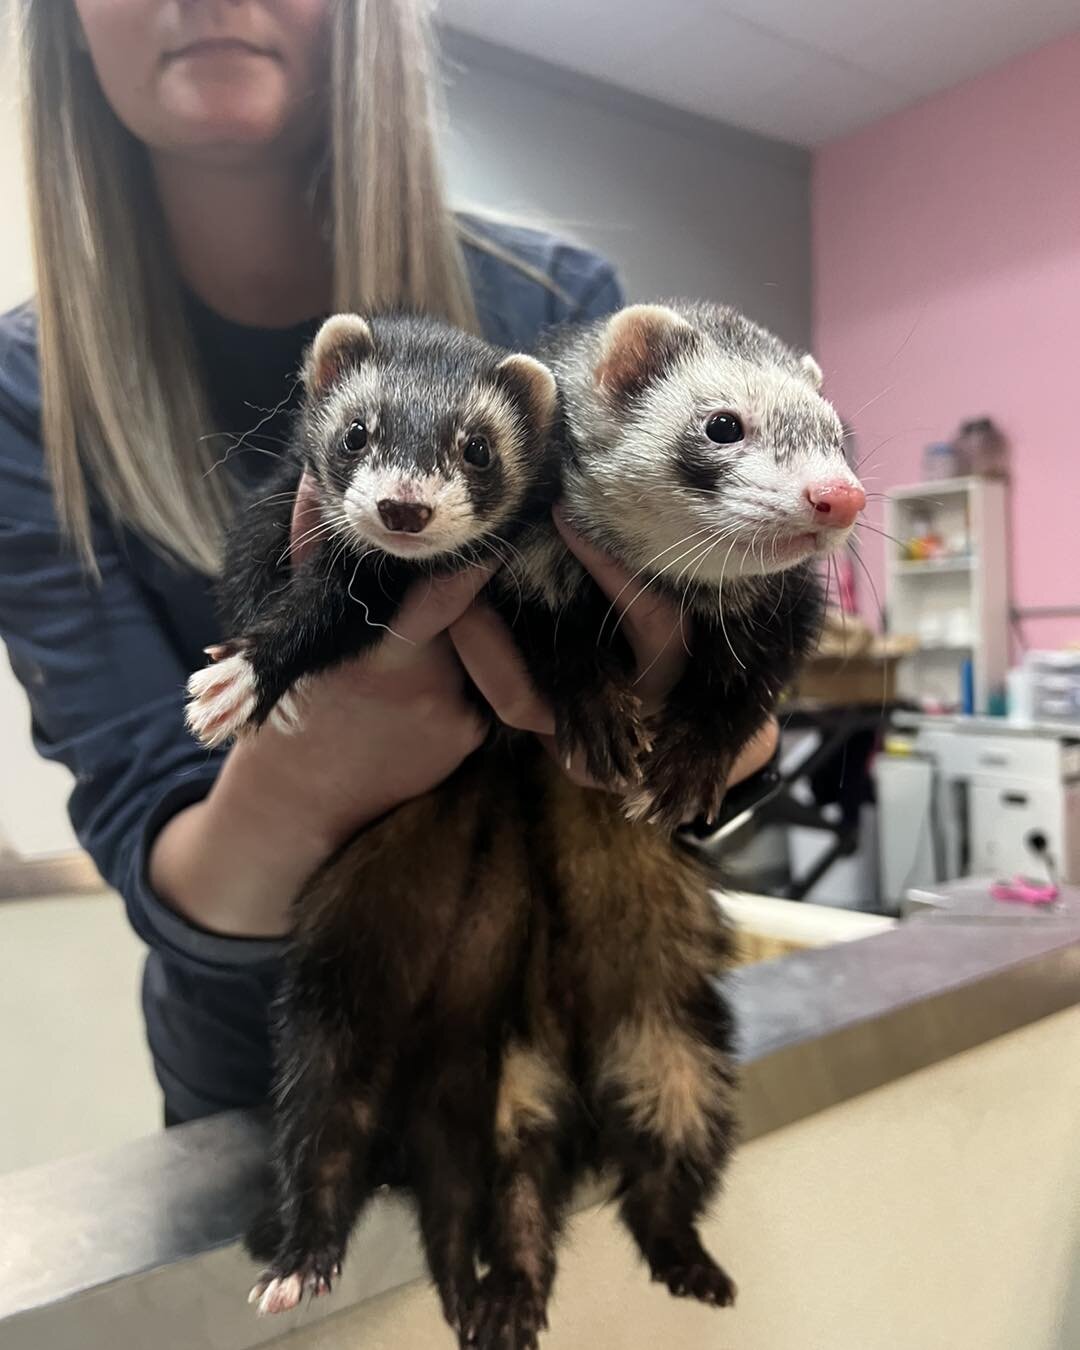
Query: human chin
[[216, 107]]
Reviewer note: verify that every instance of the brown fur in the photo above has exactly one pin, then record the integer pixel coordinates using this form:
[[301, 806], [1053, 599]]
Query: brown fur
[[517, 982]]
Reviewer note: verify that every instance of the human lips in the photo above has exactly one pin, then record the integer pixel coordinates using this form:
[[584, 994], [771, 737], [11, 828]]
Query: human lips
[[214, 46]]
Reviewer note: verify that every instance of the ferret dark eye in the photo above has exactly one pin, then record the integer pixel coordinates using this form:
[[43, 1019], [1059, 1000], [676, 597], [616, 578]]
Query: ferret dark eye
[[724, 428], [477, 452], [355, 438]]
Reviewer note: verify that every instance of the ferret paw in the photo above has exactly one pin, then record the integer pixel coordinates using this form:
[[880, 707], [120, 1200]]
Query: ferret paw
[[221, 699], [701, 1280], [507, 1314], [288, 712], [275, 1293], [609, 730], [680, 782], [458, 1298]]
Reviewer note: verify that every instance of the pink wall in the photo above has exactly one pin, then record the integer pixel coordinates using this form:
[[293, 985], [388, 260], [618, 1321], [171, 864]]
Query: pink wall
[[947, 285]]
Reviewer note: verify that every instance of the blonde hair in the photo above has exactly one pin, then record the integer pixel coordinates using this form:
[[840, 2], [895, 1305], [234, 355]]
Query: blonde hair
[[123, 405]]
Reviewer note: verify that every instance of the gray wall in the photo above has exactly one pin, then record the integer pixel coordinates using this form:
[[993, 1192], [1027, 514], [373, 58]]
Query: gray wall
[[683, 205]]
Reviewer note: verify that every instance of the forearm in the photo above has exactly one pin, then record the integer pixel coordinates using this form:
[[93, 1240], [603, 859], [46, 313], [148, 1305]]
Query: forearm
[[234, 862]]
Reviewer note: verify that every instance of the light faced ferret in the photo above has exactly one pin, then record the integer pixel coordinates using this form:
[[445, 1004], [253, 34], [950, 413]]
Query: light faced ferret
[[696, 450]]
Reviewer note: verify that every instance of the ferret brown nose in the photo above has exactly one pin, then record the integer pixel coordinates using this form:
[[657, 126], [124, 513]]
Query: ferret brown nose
[[835, 505], [404, 517]]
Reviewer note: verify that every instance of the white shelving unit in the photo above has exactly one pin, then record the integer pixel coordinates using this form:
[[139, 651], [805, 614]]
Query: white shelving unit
[[957, 605]]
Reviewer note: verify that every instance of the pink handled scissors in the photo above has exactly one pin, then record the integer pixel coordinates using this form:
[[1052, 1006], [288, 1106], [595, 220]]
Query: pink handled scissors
[[1025, 891]]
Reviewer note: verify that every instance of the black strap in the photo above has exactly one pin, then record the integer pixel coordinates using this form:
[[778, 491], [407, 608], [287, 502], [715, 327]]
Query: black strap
[[740, 800]]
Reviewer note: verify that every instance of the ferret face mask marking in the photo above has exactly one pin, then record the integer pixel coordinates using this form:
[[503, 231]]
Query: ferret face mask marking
[[420, 456], [720, 450]]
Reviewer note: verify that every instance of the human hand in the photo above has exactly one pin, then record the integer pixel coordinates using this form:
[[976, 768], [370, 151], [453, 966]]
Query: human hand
[[377, 731], [658, 635]]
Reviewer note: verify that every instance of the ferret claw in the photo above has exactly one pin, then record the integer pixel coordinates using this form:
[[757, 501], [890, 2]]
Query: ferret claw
[[221, 699], [279, 1293], [217, 651]]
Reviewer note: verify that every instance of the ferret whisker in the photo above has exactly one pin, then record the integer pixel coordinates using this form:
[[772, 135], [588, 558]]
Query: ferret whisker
[[692, 549], [273, 497], [881, 620], [780, 597], [496, 542], [876, 529], [270, 414], [840, 599], [866, 459], [871, 401], [323, 529], [720, 609], [252, 449], [761, 554], [515, 553], [340, 548], [379, 575], [240, 439], [705, 529], [710, 544], [371, 623], [873, 589], [273, 412]]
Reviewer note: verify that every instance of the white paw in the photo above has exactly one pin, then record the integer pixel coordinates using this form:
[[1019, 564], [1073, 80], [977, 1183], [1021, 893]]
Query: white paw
[[221, 699], [284, 1292], [278, 1295], [288, 712]]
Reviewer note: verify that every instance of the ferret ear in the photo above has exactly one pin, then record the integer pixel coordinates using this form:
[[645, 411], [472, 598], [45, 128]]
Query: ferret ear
[[638, 343], [532, 384], [342, 343], [812, 371]]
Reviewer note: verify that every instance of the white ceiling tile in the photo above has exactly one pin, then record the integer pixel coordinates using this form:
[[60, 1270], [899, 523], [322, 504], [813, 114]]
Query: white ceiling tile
[[918, 44], [957, 43], [752, 78], [583, 36], [803, 72]]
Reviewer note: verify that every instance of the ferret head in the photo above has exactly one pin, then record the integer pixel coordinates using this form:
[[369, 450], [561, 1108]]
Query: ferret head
[[422, 439], [705, 449]]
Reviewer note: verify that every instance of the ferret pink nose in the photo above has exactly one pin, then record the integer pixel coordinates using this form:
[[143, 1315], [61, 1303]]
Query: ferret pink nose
[[835, 504], [404, 517]]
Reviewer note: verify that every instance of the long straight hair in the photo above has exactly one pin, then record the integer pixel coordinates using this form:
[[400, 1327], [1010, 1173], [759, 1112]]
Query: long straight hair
[[124, 411]]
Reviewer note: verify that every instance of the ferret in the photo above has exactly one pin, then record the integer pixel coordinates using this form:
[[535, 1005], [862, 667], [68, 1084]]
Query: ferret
[[508, 975], [518, 984], [428, 448], [698, 451]]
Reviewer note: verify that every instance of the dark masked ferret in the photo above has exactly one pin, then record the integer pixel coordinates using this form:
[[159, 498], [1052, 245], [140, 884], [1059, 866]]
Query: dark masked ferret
[[428, 449], [517, 983], [698, 451]]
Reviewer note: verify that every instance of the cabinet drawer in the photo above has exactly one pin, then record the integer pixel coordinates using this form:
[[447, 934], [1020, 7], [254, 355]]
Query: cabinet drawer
[[1001, 757], [1002, 817]]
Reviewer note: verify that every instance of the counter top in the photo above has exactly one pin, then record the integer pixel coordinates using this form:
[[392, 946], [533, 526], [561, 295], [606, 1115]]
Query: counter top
[[97, 1250], [906, 720]]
